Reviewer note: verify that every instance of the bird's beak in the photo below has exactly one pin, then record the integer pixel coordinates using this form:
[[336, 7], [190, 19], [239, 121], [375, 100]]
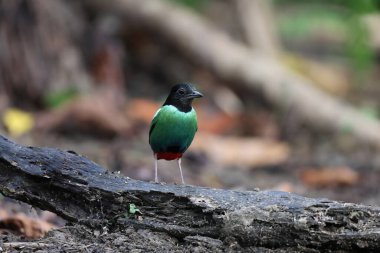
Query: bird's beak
[[195, 94]]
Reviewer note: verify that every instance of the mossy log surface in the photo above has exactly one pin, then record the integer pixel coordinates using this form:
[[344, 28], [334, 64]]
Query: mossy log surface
[[83, 192]]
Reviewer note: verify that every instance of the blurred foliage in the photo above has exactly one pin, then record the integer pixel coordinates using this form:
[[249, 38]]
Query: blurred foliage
[[305, 22], [361, 6], [370, 112], [333, 16], [194, 4], [58, 98]]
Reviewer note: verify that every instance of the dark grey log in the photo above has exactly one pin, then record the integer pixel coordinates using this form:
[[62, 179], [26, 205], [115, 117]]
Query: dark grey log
[[80, 190]]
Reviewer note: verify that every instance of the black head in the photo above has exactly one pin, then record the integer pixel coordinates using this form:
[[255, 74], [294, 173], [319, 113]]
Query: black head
[[181, 96]]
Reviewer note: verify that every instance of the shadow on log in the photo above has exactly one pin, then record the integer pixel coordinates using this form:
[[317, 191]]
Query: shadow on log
[[81, 191]]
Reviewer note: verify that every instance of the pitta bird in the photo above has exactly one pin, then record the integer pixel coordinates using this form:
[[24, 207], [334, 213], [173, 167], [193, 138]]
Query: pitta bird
[[174, 125]]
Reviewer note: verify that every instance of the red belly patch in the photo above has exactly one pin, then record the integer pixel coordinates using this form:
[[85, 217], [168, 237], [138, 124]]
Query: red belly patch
[[168, 155]]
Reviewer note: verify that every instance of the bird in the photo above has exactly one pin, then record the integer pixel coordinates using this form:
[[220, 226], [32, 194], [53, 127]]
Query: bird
[[174, 125]]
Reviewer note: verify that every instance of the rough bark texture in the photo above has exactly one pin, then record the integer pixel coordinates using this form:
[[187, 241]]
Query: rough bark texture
[[82, 191]]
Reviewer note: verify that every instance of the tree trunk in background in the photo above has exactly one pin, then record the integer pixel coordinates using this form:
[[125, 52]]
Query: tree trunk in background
[[39, 49], [256, 18], [231, 60]]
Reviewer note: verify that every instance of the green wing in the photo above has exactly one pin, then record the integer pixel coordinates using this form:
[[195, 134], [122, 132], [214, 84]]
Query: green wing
[[153, 123], [172, 129]]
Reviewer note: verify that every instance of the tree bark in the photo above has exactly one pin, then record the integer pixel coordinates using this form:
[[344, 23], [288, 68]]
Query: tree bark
[[80, 190], [256, 18]]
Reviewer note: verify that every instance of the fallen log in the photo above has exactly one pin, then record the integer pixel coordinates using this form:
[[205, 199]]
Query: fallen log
[[81, 191]]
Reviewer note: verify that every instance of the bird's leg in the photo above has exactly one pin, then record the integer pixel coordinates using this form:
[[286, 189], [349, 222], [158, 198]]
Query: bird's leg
[[180, 170], [155, 169]]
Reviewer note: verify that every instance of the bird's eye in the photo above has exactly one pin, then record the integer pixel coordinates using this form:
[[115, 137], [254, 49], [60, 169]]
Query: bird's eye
[[181, 91]]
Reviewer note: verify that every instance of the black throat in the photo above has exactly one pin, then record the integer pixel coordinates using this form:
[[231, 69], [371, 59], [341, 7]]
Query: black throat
[[181, 105], [181, 96]]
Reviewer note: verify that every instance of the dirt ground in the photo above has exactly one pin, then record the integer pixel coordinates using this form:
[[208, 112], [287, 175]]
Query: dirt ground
[[80, 239]]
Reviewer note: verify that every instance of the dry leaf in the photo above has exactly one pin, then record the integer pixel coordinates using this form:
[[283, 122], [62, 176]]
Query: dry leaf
[[98, 113], [245, 152], [329, 176], [142, 110], [217, 123], [22, 224]]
